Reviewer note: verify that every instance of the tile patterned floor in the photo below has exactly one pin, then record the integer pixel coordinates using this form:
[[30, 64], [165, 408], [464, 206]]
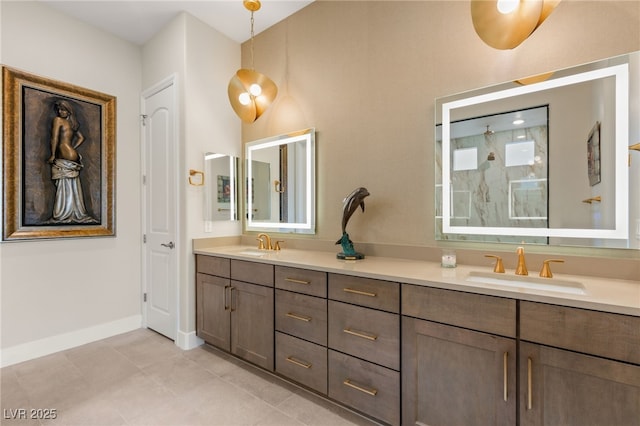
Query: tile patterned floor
[[142, 378]]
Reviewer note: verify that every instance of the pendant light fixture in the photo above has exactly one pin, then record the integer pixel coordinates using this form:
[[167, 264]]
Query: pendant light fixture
[[504, 24], [251, 92]]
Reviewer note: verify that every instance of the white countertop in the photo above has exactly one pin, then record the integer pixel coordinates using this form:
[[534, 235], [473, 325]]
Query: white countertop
[[602, 294]]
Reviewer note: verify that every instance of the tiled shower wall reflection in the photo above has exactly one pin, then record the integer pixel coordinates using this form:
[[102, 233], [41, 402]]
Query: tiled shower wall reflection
[[498, 179]]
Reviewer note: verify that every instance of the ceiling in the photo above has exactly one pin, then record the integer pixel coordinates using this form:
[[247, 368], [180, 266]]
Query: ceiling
[[138, 20]]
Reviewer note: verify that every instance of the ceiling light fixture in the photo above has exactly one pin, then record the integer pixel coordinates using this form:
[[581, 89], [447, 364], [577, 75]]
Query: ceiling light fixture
[[504, 24], [250, 92]]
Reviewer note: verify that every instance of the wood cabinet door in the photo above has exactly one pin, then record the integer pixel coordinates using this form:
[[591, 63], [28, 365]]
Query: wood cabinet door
[[454, 376], [560, 387], [252, 327], [212, 310]]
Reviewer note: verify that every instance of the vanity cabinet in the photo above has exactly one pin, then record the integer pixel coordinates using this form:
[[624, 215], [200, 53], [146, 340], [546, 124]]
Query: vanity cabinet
[[301, 326], [458, 358], [364, 345], [234, 307], [578, 367], [466, 358]]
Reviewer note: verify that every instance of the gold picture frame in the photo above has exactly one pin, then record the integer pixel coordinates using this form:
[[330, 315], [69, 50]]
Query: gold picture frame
[[58, 159]]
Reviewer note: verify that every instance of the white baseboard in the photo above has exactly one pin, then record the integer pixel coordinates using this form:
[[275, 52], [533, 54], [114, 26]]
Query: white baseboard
[[186, 341], [49, 345]]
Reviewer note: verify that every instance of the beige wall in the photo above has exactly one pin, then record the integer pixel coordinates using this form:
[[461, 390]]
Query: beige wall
[[202, 61], [58, 294], [89, 286], [365, 75]]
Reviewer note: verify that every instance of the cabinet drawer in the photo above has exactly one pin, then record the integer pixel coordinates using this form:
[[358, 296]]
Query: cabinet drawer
[[302, 361], [302, 281], [364, 386], [252, 272], [368, 292], [490, 314], [598, 333], [213, 265], [365, 333], [302, 316]]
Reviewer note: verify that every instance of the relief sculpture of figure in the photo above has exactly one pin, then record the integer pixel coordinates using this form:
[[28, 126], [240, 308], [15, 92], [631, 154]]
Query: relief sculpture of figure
[[66, 163]]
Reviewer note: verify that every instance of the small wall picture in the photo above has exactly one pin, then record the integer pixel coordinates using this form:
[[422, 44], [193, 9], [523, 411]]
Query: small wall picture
[[224, 189], [593, 155], [58, 159]]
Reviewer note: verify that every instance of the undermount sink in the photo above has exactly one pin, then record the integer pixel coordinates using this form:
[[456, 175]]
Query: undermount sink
[[527, 282], [252, 252]]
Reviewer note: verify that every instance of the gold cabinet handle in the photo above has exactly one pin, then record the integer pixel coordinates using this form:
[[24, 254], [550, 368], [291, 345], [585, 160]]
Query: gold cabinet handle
[[529, 385], [226, 302], [299, 317], [231, 288], [365, 389], [361, 334], [505, 361], [299, 363], [293, 280], [361, 293]]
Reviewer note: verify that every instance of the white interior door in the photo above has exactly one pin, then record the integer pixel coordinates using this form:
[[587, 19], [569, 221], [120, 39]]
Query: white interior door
[[160, 252]]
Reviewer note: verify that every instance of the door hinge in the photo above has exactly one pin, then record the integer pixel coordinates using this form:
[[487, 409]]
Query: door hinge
[[144, 238], [144, 179], [144, 119], [144, 297]]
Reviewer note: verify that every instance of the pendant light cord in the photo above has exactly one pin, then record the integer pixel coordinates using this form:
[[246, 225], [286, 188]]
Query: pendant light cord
[[252, 41]]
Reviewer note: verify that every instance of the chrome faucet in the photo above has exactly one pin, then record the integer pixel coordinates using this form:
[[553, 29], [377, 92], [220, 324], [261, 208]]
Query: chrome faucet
[[521, 269], [267, 242]]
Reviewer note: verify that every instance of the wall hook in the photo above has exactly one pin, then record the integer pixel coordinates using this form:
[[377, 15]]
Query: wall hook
[[277, 184], [195, 173], [597, 199]]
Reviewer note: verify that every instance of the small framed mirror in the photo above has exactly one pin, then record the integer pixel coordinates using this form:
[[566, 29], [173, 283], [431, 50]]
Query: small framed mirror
[[280, 183], [221, 187]]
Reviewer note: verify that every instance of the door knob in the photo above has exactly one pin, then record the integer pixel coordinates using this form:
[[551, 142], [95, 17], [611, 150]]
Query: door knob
[[170, 245]]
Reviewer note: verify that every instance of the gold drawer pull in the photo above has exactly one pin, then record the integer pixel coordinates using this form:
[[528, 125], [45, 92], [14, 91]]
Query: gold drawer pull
[[505, 372], [361, 293], [368, 391], [529, 384], [298, 317], [299, 363], [361, 334], [293, 280]]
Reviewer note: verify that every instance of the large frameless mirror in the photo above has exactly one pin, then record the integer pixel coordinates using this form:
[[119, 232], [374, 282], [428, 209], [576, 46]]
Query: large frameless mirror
[[280, 183], [221, 187], [547, 162]]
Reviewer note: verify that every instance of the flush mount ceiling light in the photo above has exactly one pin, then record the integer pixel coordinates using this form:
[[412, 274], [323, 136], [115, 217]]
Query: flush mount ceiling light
[[251, 92], [504, 24]]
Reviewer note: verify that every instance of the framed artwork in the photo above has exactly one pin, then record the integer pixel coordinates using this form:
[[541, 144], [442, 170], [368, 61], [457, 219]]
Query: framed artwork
[[224, 189], [58, 159], [593, 155]]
